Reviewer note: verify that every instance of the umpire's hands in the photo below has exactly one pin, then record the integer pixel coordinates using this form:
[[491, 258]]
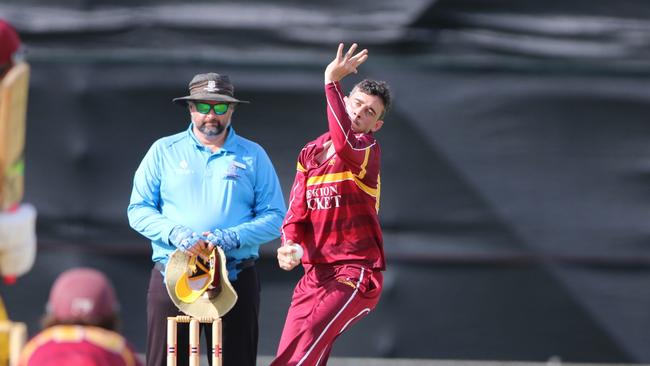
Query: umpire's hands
[[225, 239], [190, 242], [286, 259]]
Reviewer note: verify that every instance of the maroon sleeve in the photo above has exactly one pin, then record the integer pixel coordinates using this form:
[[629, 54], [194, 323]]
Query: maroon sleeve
[[293, 225], [354, 150]]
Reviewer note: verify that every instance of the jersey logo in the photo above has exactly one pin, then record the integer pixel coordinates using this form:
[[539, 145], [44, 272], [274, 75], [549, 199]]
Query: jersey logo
[[323, 198], [184, 168]]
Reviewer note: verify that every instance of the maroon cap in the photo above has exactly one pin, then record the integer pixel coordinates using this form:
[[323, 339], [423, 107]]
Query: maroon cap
[[82, 294], [9, 42]]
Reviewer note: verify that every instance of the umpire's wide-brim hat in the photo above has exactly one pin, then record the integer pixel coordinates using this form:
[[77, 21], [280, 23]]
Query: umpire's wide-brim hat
[[200, 288], [210, 87]]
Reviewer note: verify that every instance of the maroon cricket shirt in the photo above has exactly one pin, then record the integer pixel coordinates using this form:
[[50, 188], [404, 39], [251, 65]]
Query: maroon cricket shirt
[[78, 345], [333, 205]]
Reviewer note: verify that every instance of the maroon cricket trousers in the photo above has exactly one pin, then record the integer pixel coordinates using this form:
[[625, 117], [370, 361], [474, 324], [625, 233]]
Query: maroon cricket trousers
[[326, 301]]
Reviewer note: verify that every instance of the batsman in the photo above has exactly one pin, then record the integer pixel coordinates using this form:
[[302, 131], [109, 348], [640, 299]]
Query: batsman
[[17, 218], [333, 215]]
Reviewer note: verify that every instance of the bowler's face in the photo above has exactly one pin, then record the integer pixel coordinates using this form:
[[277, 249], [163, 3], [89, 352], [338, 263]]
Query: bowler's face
[[210, 124], [364, 111]]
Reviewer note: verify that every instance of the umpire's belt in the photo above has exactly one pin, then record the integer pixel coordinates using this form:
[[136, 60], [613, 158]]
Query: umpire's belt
[[244, 263], [240, 264]]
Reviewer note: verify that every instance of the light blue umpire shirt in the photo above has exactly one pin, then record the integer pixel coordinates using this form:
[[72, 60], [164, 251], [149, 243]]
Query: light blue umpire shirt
[[181, 182]]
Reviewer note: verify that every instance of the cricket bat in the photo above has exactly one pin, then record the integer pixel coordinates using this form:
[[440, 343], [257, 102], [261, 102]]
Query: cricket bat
[[13, 112]]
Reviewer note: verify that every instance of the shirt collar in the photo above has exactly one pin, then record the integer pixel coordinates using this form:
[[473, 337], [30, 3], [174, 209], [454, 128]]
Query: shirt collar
[[229, 145]]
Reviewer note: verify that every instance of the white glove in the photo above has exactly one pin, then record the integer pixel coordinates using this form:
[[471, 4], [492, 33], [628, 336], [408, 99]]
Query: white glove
[[17, 241]]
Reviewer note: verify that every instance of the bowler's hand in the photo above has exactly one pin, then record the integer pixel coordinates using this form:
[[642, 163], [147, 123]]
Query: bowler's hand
[[345, 64], [286, 259]]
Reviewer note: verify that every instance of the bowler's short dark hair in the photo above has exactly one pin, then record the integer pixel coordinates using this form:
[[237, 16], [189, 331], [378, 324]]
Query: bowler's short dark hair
[[378, 88]]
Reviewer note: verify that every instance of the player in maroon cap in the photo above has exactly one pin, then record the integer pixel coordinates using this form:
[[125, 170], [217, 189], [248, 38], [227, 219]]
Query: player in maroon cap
[[333, 216], [9, 47], [80, 325]]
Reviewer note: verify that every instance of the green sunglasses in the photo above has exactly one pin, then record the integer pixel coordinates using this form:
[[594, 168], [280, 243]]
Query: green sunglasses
[[204, 108]]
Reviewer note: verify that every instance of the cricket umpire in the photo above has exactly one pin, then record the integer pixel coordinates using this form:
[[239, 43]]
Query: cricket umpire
[[207, 182]]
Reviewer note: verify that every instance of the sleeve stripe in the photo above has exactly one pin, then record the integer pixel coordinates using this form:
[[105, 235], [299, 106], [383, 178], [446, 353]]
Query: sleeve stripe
[[378, 192], [340, 177], [362, 173], [289, 215]]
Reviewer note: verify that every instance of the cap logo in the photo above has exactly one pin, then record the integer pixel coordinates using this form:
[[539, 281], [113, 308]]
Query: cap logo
[[81, 306], [212, 86]]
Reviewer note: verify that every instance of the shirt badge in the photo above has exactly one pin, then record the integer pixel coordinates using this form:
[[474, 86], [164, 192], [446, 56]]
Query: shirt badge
[[232, 170], [184, 168]]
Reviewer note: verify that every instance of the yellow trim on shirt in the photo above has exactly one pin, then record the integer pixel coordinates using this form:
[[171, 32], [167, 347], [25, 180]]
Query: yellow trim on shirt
[[378, 192], [362, 173], [300, 168], [67, 334], [339, 177], [330, 178], [371, 191]]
